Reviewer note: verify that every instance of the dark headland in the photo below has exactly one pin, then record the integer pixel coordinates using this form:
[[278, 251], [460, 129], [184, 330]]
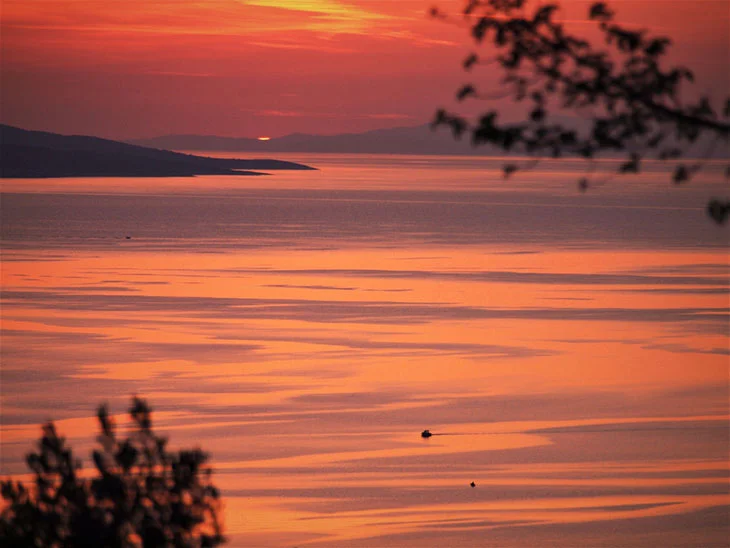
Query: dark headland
[[38, 154]]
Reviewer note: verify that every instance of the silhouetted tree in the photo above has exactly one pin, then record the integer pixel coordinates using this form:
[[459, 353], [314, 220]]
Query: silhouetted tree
[[143, 496], [634, 106]]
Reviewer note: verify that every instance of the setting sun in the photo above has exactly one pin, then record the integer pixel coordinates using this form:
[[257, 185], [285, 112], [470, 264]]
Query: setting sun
[[264, 138]]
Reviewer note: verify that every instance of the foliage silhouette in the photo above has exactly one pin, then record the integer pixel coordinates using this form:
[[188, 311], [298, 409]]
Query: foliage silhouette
[[144, 495], [634, 106]]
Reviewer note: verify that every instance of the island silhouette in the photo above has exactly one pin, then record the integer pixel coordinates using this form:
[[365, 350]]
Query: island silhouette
[[39, 154]]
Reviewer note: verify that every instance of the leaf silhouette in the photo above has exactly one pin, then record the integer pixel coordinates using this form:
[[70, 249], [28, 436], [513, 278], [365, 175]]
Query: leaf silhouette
[[718, 211], [632, 166], [509, 169], [681, 174], [599, 10], [465, 92], [470, 61]]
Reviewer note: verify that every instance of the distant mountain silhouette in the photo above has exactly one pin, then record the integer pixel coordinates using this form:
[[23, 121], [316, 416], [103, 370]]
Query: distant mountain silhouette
[[401, 140], [28, 154]]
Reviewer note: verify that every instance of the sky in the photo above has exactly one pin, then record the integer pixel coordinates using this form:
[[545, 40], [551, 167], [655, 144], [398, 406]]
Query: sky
[[143, 68]]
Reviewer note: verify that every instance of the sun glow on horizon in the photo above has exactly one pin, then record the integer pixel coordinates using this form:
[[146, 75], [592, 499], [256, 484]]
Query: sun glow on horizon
[[264, 138]]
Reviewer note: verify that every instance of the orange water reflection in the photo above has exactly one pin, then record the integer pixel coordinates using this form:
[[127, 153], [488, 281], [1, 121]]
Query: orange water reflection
[[572, 386]]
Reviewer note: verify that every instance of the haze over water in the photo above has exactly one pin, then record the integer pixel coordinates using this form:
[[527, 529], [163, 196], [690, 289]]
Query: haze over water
[[570, 349]]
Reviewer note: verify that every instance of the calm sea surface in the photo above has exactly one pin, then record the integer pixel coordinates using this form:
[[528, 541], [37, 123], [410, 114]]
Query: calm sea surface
[[571, 350]]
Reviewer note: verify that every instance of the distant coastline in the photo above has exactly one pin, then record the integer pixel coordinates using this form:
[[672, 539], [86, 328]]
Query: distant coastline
[[414, 140], [418, 140], [28, 154]]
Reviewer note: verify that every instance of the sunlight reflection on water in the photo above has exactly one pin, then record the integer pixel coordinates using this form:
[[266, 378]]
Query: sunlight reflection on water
[[306, 327]]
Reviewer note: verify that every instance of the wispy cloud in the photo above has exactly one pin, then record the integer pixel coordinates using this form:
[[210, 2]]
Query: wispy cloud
[[279, 113], [288, 24], [284, 113], [217, 17], [318, 46], [329, 8], [389, 116]]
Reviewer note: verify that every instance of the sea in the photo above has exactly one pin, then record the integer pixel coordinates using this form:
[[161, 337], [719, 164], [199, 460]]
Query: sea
[[568, 350]]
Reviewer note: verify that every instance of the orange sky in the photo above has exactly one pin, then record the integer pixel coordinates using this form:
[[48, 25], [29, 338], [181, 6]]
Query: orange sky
[[253, 67]]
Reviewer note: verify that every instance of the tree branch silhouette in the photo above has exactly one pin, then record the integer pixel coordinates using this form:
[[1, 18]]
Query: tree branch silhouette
[[637, 104], [144, 495]]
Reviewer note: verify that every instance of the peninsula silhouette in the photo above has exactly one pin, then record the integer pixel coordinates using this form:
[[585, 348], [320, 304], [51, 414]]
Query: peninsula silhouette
[[38, 154]]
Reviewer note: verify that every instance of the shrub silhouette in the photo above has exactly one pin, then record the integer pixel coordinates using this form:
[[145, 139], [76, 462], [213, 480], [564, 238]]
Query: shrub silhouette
[[144, 495], [631, 104]]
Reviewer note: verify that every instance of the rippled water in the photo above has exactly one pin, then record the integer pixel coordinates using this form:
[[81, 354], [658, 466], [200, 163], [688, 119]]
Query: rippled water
[[569, 350]]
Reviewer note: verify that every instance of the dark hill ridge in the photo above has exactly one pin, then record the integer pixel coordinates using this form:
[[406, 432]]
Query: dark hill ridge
[[399, 140], [29, 154]]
